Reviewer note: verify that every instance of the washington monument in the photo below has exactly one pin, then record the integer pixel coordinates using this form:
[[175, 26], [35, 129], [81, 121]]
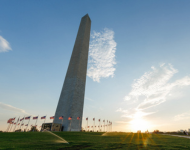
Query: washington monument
[[72, 95]]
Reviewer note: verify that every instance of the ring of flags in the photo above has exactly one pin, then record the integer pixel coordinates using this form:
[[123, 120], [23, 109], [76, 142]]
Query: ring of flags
[[11, 121]]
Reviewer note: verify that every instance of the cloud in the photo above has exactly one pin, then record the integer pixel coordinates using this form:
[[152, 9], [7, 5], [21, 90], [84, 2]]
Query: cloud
[[4, 45], [89, 99], [153, 87], [102, 55], [182, 116], [9, 107]]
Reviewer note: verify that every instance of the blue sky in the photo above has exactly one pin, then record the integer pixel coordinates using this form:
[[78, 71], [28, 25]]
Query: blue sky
[[141, 49]]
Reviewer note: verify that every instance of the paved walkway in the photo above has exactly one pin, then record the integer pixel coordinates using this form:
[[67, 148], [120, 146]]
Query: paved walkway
[[183, 136]]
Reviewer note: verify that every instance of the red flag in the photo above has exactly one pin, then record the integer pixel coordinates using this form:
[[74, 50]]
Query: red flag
[[60, 118], [78, 118], [52, 117], [86, 118], [70, 118]]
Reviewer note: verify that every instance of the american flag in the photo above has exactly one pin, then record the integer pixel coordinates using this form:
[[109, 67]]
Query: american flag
[[99, 120], [93, 119], [70, 118], [43, 117], [22, 119], [26, 118], [35, 117], [78, 118], [86, 118], [10, 120], [52, 117], [26, 125], [60, 117]]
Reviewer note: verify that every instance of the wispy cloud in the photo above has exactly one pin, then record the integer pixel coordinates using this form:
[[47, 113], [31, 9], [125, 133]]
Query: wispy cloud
[[9, 107], [153, 87], [102, 55], [182, 116], [4, 45], [89, 99]]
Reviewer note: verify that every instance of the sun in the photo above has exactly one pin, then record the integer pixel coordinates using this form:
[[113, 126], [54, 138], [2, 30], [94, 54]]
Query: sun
[[139, 124]]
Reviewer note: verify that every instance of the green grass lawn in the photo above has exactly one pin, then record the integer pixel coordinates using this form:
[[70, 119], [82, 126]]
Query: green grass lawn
[[90, 140]]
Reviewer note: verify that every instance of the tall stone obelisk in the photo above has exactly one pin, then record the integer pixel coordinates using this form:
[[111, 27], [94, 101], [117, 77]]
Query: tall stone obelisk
[[72, 95]]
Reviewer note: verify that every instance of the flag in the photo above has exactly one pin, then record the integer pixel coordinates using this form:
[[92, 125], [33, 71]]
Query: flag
[[22, 124], [52, 117], [26, 118], [10, 120], [35, 117], [15, 123], [93, 119], [86, 118], [43, 117], [70, 118], [92, 127], [78, 118], [103, 120], [60, 117], [18, 123], [26, 125], [99, 120], [22, 119]]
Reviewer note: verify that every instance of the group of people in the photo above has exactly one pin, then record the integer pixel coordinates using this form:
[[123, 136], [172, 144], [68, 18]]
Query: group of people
[[185, 132]]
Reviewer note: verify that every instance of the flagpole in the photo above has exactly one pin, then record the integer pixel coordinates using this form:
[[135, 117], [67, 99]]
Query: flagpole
[[52, 123], [79, 124], [27, 125], [12, 124], [62, 123], [8, 127], [70, 124], [16, 123], [45, 119], [22, 122], [36, 120]]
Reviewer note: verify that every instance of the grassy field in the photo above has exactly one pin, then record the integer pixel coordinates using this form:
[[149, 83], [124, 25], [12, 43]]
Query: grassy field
[[90, 140]]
